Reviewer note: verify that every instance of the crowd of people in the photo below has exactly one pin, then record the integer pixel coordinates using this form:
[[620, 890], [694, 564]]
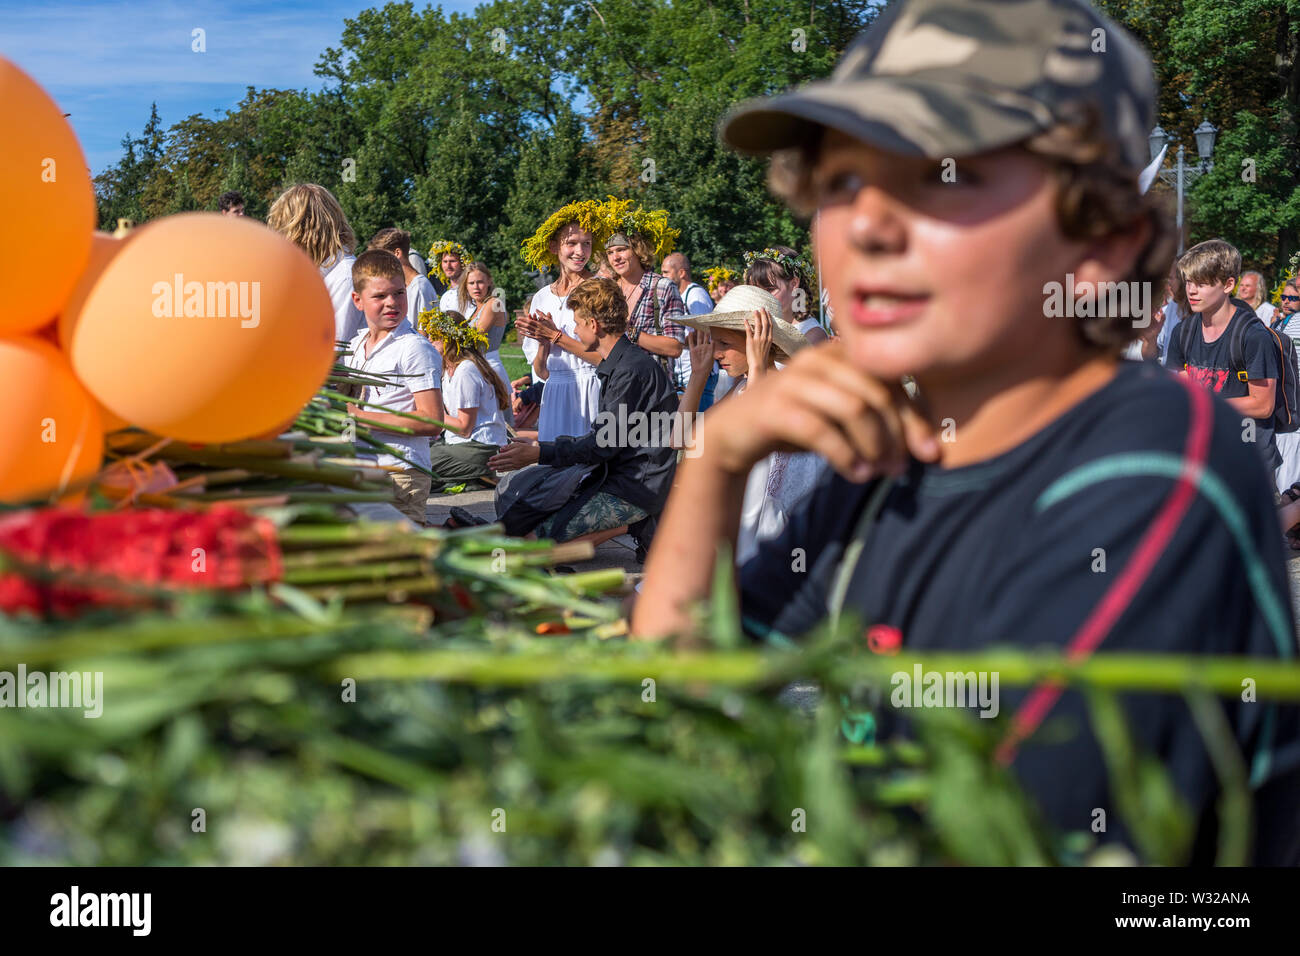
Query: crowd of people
[[906, 435]]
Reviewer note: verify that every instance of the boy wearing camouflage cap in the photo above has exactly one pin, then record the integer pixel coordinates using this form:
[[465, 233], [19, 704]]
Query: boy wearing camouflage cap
[[963, 159]]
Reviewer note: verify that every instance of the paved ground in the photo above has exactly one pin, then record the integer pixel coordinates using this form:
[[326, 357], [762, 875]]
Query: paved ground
[[618, 553]]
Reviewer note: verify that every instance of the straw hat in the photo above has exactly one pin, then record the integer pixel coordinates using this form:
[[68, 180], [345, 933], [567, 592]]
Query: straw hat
[[738, 305]]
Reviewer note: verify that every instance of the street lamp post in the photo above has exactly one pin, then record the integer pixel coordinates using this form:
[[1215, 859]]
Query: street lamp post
[[1180, 174]]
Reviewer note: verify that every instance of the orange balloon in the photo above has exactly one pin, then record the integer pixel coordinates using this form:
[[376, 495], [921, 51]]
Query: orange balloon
[[205, 328], [271, 434], [48, 203], [102, 249], [51, 436]]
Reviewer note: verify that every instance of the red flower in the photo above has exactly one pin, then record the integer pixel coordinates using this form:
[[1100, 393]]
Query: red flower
[[64, 559], [884, 639]]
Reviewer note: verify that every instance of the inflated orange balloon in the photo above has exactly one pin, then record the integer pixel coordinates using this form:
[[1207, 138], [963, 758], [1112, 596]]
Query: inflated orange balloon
[[204, 328], [48, 203], [103, 247], [51, 438]]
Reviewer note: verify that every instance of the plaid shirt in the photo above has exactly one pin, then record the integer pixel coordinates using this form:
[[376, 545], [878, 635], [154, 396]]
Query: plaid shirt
[[642, 318]]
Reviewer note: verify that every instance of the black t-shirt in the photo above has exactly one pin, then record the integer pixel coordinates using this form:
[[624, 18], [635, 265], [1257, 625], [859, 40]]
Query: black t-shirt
[[1212, 364], [1006, 552]]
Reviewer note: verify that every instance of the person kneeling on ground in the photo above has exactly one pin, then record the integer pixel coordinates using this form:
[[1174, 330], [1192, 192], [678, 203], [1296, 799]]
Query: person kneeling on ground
[[474, 399], [629, 480]]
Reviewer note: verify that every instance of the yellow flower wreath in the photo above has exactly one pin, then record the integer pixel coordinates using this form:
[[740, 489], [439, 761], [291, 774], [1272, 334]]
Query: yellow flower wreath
[[587, 213], [438, 325], [716, 275], [629, 219], [438, 250]]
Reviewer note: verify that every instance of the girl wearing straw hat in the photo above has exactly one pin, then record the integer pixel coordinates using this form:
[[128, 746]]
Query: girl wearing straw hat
[[748, 338]]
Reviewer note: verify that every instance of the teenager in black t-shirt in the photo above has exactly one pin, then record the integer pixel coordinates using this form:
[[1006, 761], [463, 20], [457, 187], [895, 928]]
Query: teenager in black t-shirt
[[1038, 493], [1225, 347]]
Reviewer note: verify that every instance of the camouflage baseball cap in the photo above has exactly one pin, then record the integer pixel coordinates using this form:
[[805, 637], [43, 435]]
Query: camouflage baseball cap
[[950, 78]]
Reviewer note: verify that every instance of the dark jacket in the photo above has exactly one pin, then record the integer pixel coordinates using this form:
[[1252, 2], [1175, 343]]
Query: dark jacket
[[632, 434]]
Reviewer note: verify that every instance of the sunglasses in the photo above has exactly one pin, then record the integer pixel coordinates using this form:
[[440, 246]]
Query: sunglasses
[[1291, 298]]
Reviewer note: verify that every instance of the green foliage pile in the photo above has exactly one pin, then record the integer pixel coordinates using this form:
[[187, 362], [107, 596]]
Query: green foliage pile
[[478, 742]]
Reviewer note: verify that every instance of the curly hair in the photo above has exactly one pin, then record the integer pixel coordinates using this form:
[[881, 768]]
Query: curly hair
[[601, 300]]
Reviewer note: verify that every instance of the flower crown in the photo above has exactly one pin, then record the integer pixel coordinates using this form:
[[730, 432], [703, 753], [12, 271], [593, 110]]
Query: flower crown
[[440, 249], [717, 275], [623, 217], [1287, 276], [437, 324], [587, 213], [793, 265]]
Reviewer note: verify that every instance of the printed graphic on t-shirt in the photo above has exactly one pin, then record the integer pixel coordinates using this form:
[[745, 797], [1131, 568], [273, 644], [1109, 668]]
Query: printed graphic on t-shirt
[[1212, 378]]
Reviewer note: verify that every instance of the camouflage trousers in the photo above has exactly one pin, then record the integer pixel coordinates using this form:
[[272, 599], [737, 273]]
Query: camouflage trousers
[[603, 512]]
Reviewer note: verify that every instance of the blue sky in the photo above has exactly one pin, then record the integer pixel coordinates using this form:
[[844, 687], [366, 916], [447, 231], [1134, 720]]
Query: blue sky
[[106, 62]]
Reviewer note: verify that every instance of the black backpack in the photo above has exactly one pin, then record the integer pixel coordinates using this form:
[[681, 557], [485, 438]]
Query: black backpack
[[1286, 408]]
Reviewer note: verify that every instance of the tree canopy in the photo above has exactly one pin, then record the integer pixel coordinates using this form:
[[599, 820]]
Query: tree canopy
[[475, 127]]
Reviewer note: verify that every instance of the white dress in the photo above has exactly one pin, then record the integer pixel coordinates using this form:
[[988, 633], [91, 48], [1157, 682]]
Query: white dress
[[571, 398]]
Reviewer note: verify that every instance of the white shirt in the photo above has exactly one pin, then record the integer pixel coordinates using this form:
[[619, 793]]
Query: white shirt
[[808, 324], [697, 302], [419, 297], [450, 301], [338, 280], [774, 489], [403, 352], [1265, 312], [466, 388], [697, 299]]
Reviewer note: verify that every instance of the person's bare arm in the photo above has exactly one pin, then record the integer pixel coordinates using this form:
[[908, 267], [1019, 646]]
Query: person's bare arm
[[539, 360], [428, 403], [700, 345], [463, 422], [820, 403], [660, 344], [540, 326], [488, 315], [816, 335], [1261, 400]]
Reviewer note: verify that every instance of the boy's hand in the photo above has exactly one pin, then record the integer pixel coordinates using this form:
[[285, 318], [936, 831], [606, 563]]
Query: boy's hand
[[515, 455], [819, 403]]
